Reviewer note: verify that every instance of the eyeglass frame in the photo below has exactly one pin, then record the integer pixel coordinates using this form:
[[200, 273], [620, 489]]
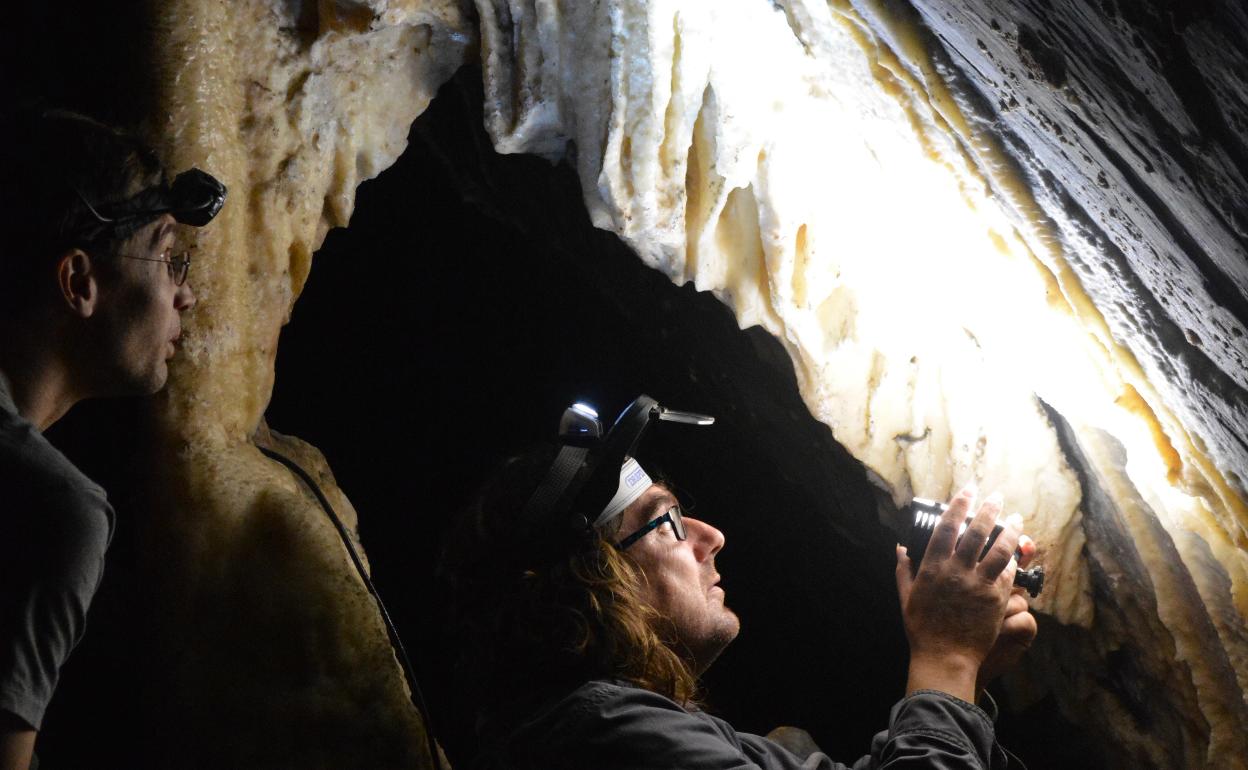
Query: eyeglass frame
[[180, 262], [678, 527]]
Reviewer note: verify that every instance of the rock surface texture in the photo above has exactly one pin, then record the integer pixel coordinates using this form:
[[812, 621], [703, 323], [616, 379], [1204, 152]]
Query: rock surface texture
[[1001, 241], [277, 655]]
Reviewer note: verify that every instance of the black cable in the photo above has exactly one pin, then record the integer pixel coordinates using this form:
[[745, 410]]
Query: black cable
[[418, 697]]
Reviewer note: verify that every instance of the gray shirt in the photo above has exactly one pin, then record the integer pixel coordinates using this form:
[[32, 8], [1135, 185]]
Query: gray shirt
[[55, 525], [616, 726]]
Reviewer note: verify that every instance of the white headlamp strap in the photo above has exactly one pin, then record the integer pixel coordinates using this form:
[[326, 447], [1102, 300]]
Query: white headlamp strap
[[633, 482]]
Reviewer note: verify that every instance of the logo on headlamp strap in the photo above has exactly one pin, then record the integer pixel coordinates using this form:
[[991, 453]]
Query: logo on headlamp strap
[[635, 476]]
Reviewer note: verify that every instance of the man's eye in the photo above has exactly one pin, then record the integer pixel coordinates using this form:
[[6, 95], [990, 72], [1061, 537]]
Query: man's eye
[[666, 526]]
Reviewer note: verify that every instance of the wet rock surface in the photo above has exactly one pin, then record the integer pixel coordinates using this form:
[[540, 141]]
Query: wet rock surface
[[1132, 120]]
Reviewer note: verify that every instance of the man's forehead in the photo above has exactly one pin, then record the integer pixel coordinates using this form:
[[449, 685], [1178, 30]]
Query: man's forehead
[[656, 496]]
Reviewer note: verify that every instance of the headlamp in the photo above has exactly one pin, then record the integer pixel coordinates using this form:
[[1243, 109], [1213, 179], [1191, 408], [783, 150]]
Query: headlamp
[[193, 198], [586, 474]]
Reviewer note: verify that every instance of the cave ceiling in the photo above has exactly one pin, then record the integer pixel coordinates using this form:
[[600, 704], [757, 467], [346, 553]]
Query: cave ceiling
[[998, 241]]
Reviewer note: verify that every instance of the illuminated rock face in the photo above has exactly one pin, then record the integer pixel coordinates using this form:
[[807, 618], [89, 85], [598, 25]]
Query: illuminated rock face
[[1018, 260], [939, 252], [276, 654]]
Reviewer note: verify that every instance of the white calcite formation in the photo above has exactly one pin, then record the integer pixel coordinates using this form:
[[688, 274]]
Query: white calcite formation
[[825, 171], [273, 652]]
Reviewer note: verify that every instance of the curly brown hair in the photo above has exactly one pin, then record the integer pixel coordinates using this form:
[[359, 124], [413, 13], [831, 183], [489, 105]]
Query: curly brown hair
[[537, 610]]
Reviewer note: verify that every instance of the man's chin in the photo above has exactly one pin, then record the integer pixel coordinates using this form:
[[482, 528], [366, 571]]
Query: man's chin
[[717, 641], [729, 619], [145, 384], [159, 382], [155, 381]]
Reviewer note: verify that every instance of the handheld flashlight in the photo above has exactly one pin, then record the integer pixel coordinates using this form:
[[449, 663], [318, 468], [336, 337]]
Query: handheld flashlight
[[925, 515]]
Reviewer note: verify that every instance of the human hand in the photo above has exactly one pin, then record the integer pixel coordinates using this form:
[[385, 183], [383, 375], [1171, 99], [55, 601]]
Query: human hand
[[954, 608], [1018, 629]]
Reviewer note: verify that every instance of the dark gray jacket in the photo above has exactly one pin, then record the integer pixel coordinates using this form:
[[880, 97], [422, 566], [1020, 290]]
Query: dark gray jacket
[[614, 726]]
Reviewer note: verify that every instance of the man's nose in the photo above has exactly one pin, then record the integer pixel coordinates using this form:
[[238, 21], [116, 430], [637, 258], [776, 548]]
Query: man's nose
[[708, 540], [184, 298]]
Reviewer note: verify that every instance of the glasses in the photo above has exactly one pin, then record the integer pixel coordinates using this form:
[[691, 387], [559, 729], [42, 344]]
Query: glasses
[[179, 265], [673, 515]]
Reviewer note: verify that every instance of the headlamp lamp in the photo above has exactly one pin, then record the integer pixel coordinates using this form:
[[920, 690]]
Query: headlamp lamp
[[586, 474], [193, 198]]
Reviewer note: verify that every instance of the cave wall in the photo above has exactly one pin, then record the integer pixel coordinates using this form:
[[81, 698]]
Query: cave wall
[[1108, 140], [310, 100]]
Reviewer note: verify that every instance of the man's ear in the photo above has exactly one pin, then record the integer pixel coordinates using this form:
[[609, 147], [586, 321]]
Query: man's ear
[[76, 281]]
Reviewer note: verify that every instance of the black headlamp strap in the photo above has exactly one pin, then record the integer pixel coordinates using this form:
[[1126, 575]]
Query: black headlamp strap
[[558, 482], [117, 222], [193, 198]]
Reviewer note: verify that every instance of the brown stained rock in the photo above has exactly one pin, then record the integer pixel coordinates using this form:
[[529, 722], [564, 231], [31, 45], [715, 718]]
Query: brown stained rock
[[273, 649]]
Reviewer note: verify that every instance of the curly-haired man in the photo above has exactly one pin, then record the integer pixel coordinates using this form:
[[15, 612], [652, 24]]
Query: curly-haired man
[[589, 604]]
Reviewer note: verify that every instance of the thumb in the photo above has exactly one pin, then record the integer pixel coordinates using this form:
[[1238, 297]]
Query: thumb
[[905, 577]]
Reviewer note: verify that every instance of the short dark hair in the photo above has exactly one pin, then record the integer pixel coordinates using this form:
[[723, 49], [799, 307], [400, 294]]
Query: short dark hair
[[53, 160], [530, 620]]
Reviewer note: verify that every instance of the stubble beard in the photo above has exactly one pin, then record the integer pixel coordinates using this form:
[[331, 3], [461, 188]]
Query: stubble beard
[[701, 655]]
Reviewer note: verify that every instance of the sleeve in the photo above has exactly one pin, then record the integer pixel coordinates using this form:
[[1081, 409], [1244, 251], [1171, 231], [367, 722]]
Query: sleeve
[[625, 728], [931, 729], [629, 728], [47, 599]]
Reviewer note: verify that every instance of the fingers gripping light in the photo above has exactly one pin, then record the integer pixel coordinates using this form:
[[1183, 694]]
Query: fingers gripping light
[[927, 515]]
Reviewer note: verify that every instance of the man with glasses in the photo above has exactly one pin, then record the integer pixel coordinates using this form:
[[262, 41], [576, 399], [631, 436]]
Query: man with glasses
[[91, 294], [587, 604]]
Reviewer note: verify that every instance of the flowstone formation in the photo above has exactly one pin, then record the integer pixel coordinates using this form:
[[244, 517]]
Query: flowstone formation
[[1018, 260], [269, 644]]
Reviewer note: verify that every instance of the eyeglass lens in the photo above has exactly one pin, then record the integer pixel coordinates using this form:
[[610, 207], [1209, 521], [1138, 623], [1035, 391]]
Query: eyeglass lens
[[179, 268], [678, 521]]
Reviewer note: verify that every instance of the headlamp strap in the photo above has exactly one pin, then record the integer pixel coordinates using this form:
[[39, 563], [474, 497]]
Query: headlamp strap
[[563, 474], [634, 481], [193, 198]]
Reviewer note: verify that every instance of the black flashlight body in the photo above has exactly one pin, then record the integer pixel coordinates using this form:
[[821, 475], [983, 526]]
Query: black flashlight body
[[925, 514]]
